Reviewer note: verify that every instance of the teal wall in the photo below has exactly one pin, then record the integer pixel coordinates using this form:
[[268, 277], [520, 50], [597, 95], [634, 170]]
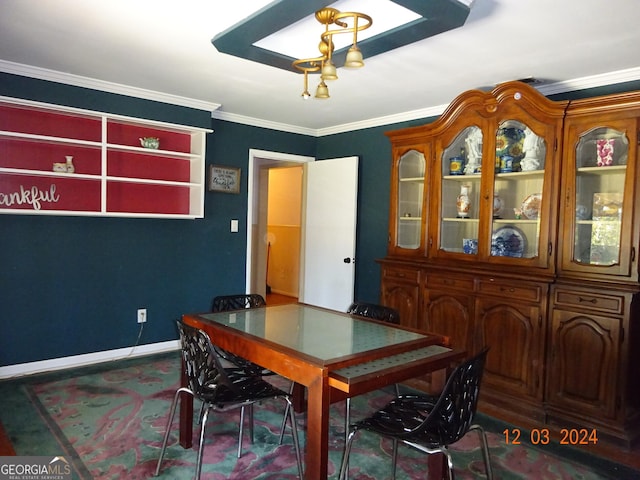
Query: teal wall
[[72, 285]]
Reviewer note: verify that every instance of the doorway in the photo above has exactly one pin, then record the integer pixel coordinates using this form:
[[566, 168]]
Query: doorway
[[261, 163], [327, 230]]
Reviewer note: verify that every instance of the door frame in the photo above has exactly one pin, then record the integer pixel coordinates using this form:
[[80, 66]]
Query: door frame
[[256, 259]]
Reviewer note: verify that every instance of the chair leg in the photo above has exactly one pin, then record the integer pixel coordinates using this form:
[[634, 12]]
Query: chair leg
[[286, 415], [205, 415], [452, 475], [397, 390], [394, 459], [294, 434], [172, 413], [344, 466], [347, 419], [241, 428], [251, 422], [485, 449]]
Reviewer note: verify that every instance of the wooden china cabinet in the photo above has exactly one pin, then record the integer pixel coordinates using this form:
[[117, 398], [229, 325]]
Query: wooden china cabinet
[[505, 232], [594, 353]]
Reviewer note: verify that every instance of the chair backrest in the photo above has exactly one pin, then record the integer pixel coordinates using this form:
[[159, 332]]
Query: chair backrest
[[377, 312], [224, 303], [203, 369], [453, 413]]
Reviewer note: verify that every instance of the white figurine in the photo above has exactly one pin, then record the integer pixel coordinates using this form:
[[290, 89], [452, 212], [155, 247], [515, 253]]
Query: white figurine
[[533, 151], [474, 151]]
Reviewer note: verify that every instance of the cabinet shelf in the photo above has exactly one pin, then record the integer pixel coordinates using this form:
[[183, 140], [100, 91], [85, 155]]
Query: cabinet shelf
[[476, 177], [515, 221], [610, 170], [461, 220], [114, 175]]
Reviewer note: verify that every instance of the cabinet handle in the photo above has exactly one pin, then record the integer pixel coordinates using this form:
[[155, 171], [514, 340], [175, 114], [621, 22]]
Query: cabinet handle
[[505, 289], [449, 282], [590, 300]]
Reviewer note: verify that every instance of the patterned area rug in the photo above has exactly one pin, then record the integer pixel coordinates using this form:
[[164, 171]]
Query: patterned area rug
[[109, 421]]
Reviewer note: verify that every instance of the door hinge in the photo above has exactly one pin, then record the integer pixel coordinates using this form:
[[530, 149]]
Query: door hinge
[[540, 321], [622, 335], [555, 144], [550, 248], [633, 254]]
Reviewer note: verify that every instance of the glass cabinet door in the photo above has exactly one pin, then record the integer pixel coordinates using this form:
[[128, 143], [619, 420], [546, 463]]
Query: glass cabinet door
[[411, 170], [460, 192], [518, 191], [600, 177]]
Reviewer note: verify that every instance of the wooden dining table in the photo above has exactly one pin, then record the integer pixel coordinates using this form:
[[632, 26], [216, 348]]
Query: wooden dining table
[[333, 354]]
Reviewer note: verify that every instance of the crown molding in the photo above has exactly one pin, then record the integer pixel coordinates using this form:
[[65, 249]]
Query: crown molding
[[594, 81], [79, 81], [611, 78], [258, 122]]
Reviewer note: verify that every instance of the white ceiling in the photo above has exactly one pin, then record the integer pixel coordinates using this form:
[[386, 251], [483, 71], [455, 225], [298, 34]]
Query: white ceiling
[[162, 49]]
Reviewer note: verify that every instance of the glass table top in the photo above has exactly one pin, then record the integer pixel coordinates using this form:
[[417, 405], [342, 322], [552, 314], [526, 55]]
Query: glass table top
[[313, 331]]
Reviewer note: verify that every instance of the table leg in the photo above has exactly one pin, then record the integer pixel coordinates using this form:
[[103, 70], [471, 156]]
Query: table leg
[[299, 400], [317, 455], [437, 462], [436, 466], [186, 414]]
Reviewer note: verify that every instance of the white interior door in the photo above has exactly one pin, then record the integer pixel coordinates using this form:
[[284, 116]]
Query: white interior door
[[329, 233]]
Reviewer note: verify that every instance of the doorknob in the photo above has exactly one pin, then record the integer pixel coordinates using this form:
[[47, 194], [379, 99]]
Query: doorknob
[[348, 260]]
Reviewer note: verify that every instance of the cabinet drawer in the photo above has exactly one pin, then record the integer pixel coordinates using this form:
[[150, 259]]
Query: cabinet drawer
[[512, 289], [406, 274], [447, 281], [589, 300]]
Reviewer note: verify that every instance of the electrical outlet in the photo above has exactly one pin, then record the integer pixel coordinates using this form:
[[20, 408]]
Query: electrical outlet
[[142, 315]]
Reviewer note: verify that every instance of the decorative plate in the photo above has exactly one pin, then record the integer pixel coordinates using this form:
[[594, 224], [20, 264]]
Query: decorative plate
[[508, 242], [531, 206]]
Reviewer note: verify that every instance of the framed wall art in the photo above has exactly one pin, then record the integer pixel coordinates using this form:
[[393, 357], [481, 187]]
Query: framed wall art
[[224, 179]]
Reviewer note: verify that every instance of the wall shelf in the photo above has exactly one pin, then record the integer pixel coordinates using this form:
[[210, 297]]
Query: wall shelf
[[114, 175]]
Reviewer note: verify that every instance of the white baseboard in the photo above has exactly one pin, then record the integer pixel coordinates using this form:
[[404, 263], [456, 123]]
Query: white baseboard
[[22, 369]]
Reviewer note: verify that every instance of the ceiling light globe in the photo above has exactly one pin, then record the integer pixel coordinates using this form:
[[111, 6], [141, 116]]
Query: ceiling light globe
[[306, 95], [354, 58], [329, 72], [322, 91]]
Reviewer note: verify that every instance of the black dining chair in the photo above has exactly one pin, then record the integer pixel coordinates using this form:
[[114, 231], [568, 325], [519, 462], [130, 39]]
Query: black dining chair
[[376, 312], [226, 303], [430, 423], [220, 389]]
